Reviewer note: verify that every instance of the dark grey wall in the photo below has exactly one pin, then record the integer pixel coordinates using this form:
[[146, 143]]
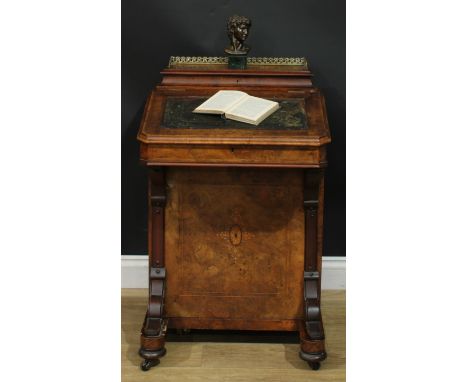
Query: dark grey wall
[[153, 30]]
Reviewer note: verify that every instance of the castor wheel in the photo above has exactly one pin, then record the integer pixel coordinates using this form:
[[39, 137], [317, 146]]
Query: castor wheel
[[148, 364], [314, 365]]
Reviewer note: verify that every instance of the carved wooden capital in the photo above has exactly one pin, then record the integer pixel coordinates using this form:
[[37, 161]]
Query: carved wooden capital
[[157, 188], [311, 206]]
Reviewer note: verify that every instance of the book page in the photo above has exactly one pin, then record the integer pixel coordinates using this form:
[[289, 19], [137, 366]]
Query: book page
[[221, 101], [251, 108]]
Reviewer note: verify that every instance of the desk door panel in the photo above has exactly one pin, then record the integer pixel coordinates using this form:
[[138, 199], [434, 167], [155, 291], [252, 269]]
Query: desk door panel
[[234, 243]]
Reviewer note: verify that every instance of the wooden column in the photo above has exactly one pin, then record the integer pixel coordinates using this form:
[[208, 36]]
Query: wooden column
[[311, 333], [154, 327]]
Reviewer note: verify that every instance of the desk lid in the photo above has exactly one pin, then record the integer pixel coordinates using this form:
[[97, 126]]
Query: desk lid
[[294, 134], [168, 119]]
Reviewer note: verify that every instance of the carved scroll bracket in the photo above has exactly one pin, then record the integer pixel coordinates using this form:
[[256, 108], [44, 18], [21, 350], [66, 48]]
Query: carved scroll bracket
[[313, 317], [155, 325]]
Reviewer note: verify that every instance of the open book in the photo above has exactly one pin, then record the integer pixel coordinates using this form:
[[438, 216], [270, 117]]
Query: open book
[[239, 106]]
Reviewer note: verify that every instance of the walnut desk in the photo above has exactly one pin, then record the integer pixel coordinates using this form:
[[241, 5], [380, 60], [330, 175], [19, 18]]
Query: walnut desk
[[235, 210]]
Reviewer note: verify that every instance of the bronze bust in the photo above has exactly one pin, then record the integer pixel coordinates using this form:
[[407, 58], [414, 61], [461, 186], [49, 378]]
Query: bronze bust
[[238, 30]]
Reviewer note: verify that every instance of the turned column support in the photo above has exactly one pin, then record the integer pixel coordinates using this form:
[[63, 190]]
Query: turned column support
[[311, 332], [154, 327]]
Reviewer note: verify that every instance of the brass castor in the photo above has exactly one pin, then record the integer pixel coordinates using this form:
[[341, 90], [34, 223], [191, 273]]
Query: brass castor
[[314, 365], [148, 364]]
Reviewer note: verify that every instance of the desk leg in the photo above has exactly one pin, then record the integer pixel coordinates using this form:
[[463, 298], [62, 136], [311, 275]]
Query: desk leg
[[311, 331], [153, 332]]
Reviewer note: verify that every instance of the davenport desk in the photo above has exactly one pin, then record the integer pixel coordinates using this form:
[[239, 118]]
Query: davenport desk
[[235, 210]]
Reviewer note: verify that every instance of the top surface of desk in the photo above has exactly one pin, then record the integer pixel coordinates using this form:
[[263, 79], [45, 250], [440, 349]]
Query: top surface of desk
[[178, 114], [168, 119], [294, 135]]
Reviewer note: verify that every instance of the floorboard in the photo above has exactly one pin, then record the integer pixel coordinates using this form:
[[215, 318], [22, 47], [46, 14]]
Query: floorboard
[[206, 356]]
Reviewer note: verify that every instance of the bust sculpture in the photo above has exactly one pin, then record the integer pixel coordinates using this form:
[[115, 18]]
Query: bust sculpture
[[238, 30]]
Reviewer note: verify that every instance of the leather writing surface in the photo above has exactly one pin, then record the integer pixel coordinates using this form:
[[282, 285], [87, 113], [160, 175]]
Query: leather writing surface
[[178, 115]]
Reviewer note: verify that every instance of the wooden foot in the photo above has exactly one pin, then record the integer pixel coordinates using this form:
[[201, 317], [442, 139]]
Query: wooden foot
[[312, 350], [148, 364], [153, 333], [314, 365], [313, 359], [152, 349]]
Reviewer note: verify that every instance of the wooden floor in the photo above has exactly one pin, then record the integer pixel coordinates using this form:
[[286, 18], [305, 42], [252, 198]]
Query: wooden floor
[[233, 362]]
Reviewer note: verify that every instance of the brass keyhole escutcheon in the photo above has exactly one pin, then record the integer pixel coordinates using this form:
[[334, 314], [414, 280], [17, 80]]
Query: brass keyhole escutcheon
[[235, 235]]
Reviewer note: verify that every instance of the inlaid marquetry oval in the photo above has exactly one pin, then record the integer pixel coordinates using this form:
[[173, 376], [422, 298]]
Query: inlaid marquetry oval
[[235, 235]]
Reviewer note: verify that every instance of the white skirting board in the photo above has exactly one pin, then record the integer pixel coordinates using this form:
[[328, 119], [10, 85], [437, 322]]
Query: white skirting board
[[135, 272]]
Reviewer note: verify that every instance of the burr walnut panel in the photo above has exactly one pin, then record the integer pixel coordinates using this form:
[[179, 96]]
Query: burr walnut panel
[[234, 243]]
